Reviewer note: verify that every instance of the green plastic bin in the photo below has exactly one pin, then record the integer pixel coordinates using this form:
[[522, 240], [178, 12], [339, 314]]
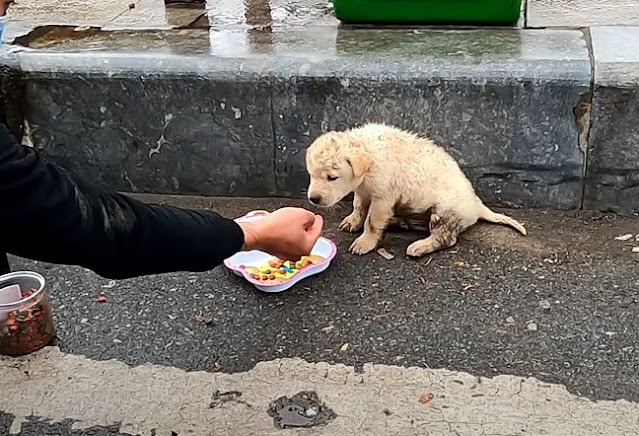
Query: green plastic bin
[[480, 12]]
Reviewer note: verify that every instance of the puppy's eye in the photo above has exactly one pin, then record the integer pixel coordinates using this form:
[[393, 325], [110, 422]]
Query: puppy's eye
[[332, 178]]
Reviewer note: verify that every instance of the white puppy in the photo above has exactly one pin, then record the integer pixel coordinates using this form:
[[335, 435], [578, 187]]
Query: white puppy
[[394, 173]]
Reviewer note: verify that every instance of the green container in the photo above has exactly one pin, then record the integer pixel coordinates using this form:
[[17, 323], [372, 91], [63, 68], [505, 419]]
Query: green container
[[481, 12]]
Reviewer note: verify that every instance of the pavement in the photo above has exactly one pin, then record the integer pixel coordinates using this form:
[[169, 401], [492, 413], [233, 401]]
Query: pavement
[[503, 334]]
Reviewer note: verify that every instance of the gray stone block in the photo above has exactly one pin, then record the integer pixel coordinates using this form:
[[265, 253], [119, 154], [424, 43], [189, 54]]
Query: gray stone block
[[236, 118], [517, 142], [612, 179], [612, 176], [12, 99], [184, 135]]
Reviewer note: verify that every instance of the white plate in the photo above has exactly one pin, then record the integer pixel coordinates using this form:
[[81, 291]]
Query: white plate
[[324, 248]]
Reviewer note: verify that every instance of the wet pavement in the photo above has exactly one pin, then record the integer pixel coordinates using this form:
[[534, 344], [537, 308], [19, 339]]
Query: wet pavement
[[307, 28], [279, 15], [477, 49], [616, 54], [582, 13], [153, 14], [281, 28], [558, 305], [276, 14]]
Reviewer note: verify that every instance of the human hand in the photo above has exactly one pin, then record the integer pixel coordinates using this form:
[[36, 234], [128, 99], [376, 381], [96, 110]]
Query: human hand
[[4, 6], [288, 233]]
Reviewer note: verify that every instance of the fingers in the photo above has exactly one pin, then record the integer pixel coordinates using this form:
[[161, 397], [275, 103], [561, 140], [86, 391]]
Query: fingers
[[313, 233], [316, 229], [280, 237], [309, 219], [307, 242]]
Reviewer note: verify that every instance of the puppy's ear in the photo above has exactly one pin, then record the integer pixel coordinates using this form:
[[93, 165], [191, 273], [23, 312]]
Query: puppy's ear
[[357, 157], [359, 163]]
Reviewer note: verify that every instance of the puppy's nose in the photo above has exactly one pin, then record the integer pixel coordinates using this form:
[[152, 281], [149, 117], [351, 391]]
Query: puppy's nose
[[315, 199]]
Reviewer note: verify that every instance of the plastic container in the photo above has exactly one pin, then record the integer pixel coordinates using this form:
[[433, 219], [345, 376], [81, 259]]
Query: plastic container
[[479, 12], [25, 325], [238, 263]]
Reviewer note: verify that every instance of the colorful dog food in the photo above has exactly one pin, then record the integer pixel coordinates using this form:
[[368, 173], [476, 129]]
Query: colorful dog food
[[28, 328], [278, 270]]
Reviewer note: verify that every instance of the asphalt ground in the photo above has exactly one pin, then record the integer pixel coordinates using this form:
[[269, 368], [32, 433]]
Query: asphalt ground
[[559, 305]]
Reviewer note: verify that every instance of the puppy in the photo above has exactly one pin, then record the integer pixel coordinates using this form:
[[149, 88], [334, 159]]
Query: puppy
[[395, 175]]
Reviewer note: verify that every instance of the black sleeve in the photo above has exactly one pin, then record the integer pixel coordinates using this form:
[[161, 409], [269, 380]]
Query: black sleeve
[[47, 215]]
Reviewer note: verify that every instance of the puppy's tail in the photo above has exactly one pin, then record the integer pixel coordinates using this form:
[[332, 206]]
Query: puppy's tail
[[498, 218]]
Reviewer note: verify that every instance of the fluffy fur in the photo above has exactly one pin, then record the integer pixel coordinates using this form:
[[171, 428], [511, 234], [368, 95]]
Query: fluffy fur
[[395, 174]]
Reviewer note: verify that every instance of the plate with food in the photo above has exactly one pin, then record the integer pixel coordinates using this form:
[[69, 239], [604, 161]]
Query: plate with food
[[270, 274]]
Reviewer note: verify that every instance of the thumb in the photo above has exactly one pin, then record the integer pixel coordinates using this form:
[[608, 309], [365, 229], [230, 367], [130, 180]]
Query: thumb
[[315, 229]]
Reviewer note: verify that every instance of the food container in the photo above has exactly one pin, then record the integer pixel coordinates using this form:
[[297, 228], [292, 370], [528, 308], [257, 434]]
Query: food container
[[26, 324], [242, 262]]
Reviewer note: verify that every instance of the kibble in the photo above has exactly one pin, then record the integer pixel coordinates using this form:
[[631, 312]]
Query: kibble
[[277, 270], [27, 329]]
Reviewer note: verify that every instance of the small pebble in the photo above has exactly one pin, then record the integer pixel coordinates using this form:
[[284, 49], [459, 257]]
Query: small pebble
[[544, 304], [635, 249], [311, 412], [510, 320], [532, 326], [624, 237]]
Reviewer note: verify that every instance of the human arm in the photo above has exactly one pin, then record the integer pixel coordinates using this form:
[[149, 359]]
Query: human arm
[[48, 215]]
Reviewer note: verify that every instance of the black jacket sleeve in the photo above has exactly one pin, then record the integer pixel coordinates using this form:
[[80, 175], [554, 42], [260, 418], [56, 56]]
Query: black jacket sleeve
[[48, 215]]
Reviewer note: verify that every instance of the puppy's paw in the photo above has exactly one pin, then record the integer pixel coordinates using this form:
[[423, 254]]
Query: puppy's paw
[[364, 244], [418, 248], [351, 224]]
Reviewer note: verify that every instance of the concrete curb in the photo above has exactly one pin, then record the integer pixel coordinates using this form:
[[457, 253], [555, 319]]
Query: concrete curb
[[612, 181], [194, 114]]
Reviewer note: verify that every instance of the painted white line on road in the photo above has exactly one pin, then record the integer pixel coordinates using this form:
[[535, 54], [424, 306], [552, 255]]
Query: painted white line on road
[[384, 400]]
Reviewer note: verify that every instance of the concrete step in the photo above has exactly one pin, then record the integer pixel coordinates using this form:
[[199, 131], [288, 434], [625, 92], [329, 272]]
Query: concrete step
[[229, 111]]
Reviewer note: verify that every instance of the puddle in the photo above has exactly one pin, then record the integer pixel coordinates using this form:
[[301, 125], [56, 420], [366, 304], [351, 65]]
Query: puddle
[[302, 410], [65, 38]]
